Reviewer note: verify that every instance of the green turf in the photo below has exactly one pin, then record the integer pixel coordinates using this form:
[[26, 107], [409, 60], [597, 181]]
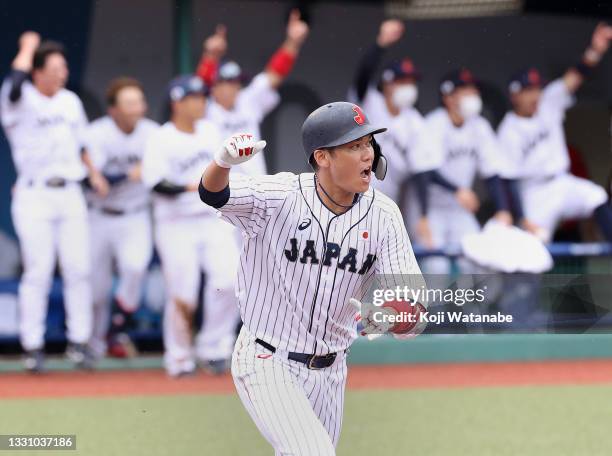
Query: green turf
[[486, 421]]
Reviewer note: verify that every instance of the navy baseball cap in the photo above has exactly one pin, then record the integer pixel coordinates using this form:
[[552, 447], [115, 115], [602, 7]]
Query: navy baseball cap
[[230, 71], [184, 85], [455, 79], [529, 77], [399, 69]]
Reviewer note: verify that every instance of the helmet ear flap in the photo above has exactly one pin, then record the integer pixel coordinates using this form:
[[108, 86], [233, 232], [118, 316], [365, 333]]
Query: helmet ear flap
[[379, 166]]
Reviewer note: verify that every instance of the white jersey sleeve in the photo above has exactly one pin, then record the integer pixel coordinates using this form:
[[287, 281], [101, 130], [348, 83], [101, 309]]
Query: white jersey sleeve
[[155, 162], [510, 140], [556, 98], [396, 263], [253, 199], [395, 255], [258, 98], [489, 153]]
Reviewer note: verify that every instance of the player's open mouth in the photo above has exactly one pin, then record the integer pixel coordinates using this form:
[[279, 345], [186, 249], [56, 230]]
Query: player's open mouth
[[366, 173]]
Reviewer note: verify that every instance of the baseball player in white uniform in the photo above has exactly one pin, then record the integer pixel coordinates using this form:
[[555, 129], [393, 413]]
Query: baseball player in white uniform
[[466, 144], [235, 107], [188, 235], [392, 102], [533, 141], [120, 222], [44, 123], [313, 242]]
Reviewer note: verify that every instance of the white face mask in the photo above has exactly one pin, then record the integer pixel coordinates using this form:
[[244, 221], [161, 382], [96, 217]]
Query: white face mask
[[405, 96], [470, 106]]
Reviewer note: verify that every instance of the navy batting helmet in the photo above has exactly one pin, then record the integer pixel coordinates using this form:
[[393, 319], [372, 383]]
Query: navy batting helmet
[[339, 123]]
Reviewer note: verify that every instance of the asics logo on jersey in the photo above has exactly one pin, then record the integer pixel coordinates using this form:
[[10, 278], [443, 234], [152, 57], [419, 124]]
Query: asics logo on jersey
[[305, 224], [309, 255]]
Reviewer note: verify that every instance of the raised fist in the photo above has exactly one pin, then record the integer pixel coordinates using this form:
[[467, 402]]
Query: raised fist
[[297, 29], [237, 149], [216, 45], [601, 38], [29, 41], [390, 32]]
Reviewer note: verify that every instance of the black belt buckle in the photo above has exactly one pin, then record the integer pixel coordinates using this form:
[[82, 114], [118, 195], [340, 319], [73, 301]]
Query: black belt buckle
[[112, 211], [326, 361], [56, 182]]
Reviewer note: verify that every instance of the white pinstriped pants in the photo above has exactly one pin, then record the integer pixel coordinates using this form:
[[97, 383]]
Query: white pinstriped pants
[[298, 410]]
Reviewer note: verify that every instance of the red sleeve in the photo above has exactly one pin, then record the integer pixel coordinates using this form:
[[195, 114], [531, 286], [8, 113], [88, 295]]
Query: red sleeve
[[207, 70], [281, 62]]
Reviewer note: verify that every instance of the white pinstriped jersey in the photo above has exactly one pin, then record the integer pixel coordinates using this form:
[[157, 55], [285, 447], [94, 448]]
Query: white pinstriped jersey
[[301, 263]]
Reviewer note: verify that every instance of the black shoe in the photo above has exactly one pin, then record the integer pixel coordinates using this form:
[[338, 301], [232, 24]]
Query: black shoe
[[80, 355], [121, 320], [216, 366], [34, 361]]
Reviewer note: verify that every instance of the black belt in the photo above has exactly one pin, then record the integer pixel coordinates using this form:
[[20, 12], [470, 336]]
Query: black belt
[[54, 182], [312, 361], [119, 212]]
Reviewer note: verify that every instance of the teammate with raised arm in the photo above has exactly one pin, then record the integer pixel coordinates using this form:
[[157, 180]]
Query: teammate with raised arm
[[44, 124], [391, 102], [189, 237], [236, 107], [314, 244], [533, 141], [120, 222]]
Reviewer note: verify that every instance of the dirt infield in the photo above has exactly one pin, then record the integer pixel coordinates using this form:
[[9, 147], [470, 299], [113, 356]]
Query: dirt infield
[[155, 382]]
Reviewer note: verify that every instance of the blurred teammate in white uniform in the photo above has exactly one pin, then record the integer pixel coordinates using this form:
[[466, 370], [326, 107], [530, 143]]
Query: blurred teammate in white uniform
[[120, 222], [391, 102], [44, 123], [235, 107], [467, 147], [190, 238], [533, 141]]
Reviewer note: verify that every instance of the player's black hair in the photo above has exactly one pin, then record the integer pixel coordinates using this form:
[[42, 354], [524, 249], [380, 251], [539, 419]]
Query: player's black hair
[[46, 49], [118, 84]]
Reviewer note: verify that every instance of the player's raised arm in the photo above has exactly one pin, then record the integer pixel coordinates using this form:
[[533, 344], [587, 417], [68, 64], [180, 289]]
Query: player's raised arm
[[214, 184], [214, 48], [390, 33], [22, 65], [600, 42], [280, 64]]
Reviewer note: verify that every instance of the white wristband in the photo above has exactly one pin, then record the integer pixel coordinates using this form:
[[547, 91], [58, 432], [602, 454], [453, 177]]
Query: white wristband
[[222, 164]]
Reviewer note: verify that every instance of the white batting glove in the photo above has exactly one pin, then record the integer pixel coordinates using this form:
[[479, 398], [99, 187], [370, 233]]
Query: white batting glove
[[237, 149], [367, 326]]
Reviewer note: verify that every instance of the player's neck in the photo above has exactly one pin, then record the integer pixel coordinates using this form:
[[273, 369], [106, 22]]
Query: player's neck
[[333, 197], [183, 124], [125, 127], [391, 107], [455, 118], [525, 114], [225, 104], [47, 92]]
